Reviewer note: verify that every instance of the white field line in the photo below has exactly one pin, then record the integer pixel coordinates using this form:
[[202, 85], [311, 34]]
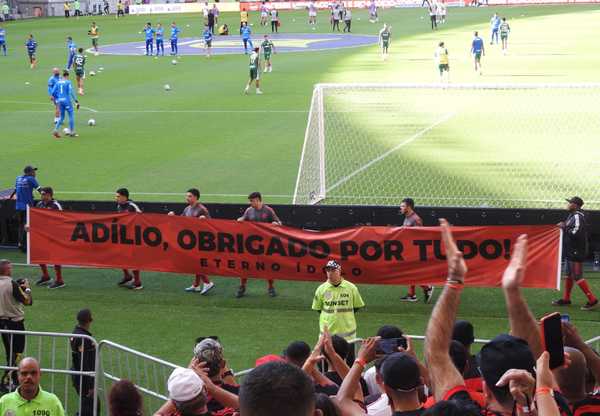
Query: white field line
[[389, 152]]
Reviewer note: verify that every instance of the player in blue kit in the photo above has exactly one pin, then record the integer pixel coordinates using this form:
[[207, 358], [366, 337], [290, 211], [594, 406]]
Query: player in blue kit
[[31, 46], [51, 83], [477, 49], [63, 93], [71, 51], [495, 25], [149, 34], [3, 40], [160, 46], [208, 37], [246, 32], [174, 37]]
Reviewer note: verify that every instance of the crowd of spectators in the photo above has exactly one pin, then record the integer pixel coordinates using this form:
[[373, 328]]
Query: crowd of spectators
[[510, 375]]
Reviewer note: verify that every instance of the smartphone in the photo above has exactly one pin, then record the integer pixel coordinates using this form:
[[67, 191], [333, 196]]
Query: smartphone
[[390, 345], [552, 339], [565, 318]]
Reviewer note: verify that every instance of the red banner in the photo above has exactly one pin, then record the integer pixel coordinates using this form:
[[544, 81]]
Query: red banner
[[375, 255]]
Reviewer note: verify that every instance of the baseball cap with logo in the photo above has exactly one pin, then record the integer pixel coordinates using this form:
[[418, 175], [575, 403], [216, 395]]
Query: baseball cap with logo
[[332, 265], [210, 351], [400, 372], [184, 385], [576, 200]]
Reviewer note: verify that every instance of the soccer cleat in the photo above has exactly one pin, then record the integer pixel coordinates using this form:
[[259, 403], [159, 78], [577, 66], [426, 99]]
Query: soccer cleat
[[44, 281], [206, 287], [125, 281], [561, 302], [428, 294], [192, 288], [258, 91], [246, 91], [409, 298], [56, 285], [272, 292], [134, 286], [590, 306], [241, 292], [73, 135]]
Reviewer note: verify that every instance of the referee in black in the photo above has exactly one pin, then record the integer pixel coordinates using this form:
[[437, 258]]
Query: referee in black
[[13, 296]]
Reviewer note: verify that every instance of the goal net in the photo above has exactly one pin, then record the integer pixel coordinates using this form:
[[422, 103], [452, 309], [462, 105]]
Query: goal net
[[506, 146]]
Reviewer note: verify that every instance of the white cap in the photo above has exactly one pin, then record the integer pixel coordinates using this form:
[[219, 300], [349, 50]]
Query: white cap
[[184, 385]]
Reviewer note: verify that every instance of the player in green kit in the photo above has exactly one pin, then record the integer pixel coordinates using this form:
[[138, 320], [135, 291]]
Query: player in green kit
[[385, 37], [268, 49], [504, 31], [79, 64], [254, 71]]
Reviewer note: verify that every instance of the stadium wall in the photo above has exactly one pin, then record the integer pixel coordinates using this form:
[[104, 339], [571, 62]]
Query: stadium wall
[[326, 217]]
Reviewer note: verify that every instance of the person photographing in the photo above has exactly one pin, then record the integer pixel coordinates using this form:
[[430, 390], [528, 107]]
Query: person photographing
[[14, 295]]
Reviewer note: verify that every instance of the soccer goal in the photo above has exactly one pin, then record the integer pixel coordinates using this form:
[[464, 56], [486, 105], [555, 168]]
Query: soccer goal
[[451, 145]]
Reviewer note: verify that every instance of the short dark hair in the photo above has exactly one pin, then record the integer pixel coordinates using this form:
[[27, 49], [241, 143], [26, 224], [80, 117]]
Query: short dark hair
[[389, 332], [326, 405], [476, 33], [47, 190], [80, 50], [453, 408], [124, 192], [65, 73], [464, 333], [84, 316], [255, 195], [195, 192], [341, 346], [409, 201], [124, 399], [277, 388], [297, 352], [459, 356]]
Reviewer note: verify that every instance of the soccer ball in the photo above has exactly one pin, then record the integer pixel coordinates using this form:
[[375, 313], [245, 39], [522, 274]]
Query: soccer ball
[[97, 54], [66, 130], [167, 87], [91, 122], [174, 61], [92, 73], [101, 68], [26, 82]]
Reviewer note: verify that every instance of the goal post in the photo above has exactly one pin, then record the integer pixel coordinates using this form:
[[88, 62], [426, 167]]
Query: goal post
[[464, 145]]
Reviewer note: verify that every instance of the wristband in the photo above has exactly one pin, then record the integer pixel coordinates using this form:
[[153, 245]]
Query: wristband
[[544, 390], [360, 362]]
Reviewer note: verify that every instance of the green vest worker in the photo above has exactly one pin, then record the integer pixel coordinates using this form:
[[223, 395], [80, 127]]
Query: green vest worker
[[29, 399], [336, 300]]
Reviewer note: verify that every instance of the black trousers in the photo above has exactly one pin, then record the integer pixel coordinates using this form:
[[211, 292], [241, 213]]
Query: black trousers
[[14, 345], [84, 386], [347, 25], [22, 221], [274, 26]]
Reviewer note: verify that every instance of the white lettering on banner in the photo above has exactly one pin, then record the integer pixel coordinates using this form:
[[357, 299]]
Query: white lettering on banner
[[178, 8]]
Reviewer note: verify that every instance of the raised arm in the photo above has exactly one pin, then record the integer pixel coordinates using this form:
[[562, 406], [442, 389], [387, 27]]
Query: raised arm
[[442, 373], [522, 321], [574, 340]]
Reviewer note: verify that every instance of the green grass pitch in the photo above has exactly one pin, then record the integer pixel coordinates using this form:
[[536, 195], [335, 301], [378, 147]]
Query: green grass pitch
[[229, 151]]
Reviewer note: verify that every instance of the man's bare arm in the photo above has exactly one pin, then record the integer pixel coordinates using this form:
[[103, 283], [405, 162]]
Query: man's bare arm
[[442, 373], [522, 322]]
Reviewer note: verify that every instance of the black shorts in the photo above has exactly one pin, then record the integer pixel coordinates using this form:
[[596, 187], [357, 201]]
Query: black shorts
[[208, 43]]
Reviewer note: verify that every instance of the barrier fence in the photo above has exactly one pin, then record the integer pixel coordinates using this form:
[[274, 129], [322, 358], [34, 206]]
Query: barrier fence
[[114, 362]]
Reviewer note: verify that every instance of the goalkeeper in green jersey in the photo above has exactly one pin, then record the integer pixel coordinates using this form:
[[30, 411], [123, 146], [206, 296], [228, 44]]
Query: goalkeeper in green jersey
[[254, 71], [385, 37], [268, 49]]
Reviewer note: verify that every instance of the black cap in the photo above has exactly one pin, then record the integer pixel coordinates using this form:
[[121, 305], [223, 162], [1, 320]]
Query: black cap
[[401, 372], [463, 332], [576, 200], [29, 169], [503, 353]]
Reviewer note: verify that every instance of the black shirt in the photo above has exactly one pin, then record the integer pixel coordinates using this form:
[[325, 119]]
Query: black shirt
[[417, 412], [88, 355], [128, 206]]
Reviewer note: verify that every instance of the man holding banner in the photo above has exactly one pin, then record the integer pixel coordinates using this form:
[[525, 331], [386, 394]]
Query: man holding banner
[[575, 238], [412, 219], [125, 205], [258, 212]]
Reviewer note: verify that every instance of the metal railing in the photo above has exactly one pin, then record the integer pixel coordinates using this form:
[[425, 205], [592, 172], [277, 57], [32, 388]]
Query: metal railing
[[149, 374], [55, 357]]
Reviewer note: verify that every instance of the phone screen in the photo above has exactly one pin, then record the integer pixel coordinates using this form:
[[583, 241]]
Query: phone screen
[[390, 345], [553, 339]]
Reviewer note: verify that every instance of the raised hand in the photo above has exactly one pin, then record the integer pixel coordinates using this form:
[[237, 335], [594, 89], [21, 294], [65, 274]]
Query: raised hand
[[515, 272], [457, 268]]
